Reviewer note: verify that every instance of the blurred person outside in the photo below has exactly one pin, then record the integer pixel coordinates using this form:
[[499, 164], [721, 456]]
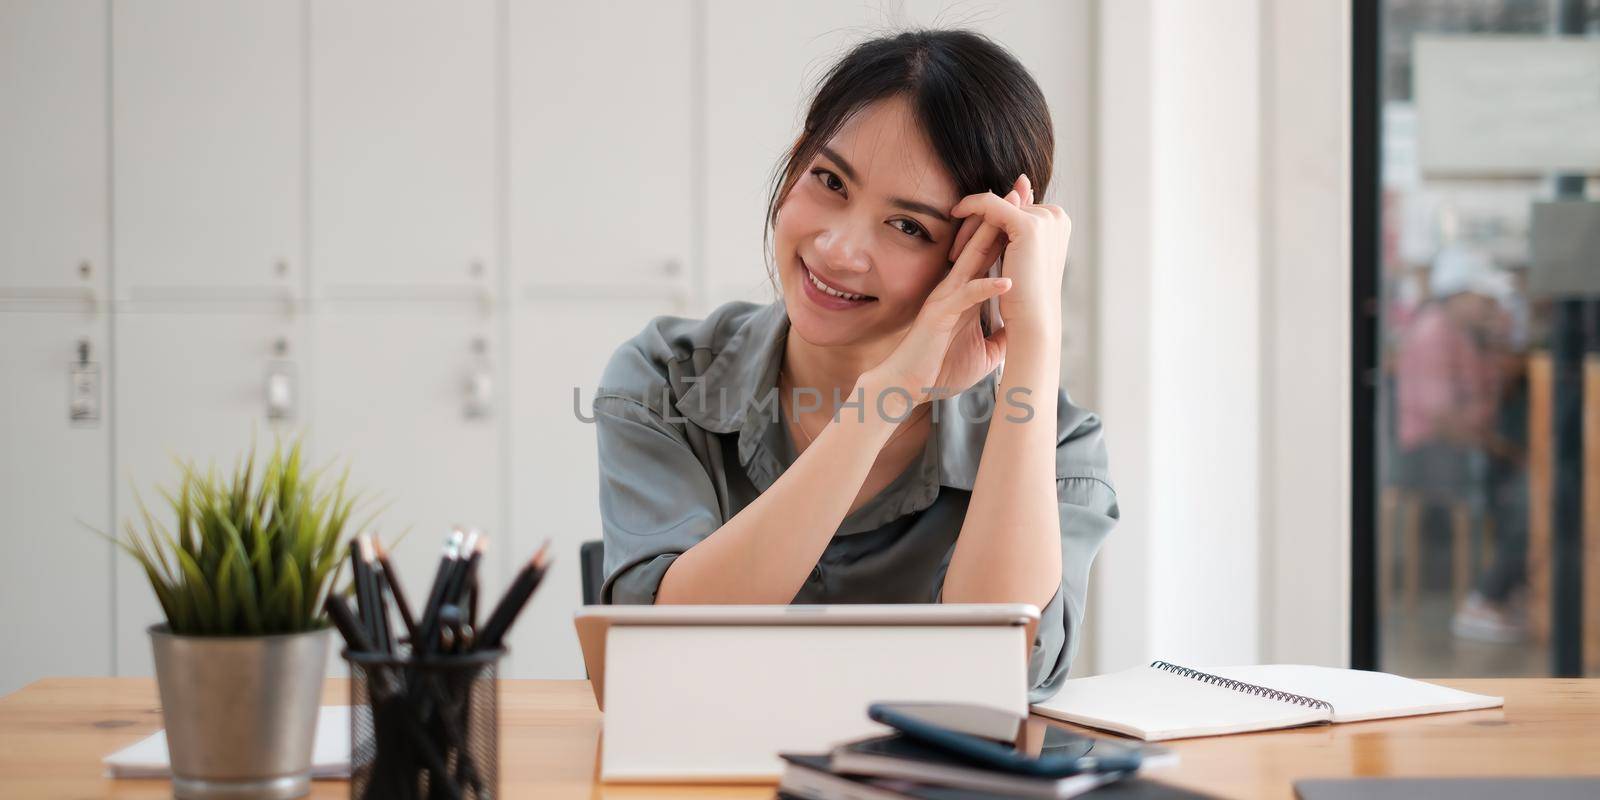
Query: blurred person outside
[[1456, 380]]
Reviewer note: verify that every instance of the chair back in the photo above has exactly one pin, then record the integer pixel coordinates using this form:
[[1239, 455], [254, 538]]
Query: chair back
[[591, 562]]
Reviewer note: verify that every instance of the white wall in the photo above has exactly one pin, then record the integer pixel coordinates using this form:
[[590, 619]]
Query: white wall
[[1306, 386], [1222, 348]]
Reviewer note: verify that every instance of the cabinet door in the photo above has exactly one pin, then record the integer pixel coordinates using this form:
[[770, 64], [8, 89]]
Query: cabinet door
[[560, 347], [192, 386], [762, 60], [402, 145], [392, 402], [207, 131], [53, 167], [54, 579], [601, 164]]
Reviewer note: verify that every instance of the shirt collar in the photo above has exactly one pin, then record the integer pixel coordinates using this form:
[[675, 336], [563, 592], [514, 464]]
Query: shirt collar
[[745, 367], [746, 370]]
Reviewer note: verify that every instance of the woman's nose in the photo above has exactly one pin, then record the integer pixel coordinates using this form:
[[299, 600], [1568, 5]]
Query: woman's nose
[[845, 250]]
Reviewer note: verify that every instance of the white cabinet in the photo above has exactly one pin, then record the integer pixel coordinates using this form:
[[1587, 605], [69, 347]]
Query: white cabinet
[[192, 386], [762, 60], [53, 165], [395, 402], [55, 576], [601, 165], [403, 146], [560, 347], [208, 132]]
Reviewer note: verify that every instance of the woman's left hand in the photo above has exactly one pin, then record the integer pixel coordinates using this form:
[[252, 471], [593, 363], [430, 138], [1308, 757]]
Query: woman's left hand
[[1037, 235]]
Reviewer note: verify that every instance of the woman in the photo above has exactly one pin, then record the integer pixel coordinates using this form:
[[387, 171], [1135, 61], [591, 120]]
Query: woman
[[726, 475]]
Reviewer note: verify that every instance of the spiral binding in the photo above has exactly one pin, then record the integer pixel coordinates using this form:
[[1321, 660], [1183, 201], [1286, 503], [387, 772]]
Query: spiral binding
[[1241, 686]]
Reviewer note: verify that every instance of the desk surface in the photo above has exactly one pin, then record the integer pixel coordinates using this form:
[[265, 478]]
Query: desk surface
[[54, 732]]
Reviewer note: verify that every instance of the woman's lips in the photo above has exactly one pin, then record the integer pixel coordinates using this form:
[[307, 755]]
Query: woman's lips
[[823, 299]]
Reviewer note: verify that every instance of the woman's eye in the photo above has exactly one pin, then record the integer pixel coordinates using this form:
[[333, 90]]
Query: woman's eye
[[913, 229], [834, 184], [828, 179]]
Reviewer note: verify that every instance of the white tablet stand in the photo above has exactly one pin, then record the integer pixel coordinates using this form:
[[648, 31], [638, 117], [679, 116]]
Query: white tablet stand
[[718, 703]]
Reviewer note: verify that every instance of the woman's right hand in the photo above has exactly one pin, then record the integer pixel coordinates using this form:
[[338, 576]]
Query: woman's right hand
[[944, 352]]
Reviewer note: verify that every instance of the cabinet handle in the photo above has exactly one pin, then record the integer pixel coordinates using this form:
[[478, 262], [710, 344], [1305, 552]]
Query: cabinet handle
[[83, 408], [478, 400], [279, 390]]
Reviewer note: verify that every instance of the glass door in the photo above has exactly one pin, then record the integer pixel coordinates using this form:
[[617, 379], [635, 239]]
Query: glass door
[[1478, 333]]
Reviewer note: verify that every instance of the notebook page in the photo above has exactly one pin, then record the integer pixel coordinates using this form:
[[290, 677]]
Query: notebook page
[[330, 757], [1358, 694], [1154, 704]]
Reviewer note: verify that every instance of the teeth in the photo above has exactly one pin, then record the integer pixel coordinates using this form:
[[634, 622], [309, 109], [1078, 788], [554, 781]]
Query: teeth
[[830, 290]]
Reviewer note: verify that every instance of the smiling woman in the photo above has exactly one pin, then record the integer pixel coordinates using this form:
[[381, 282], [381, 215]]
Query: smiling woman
[[918, 166]]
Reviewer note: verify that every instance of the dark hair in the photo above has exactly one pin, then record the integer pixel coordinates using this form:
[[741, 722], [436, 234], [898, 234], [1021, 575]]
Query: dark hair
[[980, 109]]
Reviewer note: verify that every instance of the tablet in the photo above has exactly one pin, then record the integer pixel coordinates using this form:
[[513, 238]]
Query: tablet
[[594, 622]]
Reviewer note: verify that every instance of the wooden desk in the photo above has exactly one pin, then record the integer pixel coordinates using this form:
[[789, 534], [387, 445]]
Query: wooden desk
[[54, 732]]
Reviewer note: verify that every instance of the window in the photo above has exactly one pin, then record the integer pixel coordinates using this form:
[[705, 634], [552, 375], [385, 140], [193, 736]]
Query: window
[[1477, 158]]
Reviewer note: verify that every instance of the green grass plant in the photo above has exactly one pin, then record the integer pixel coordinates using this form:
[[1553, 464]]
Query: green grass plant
[[246, 556]]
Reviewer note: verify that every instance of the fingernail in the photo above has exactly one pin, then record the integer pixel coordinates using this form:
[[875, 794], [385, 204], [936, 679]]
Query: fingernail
[[1004, 283]]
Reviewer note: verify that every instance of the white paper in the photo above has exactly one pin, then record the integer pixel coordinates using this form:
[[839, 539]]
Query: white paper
[[1358, 694], [1154, 704], [330, 755]]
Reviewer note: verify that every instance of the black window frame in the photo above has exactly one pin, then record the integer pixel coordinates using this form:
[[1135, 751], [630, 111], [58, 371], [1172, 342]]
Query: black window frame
[[1366, 75]]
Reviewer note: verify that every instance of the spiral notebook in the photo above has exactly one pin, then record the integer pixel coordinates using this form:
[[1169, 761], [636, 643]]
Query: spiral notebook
[[1167, 701]]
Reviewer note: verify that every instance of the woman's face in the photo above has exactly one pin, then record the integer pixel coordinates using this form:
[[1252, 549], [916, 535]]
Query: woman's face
[[869, 217]]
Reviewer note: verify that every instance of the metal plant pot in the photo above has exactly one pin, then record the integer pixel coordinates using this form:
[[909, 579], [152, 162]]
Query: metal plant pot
[[241, 712]]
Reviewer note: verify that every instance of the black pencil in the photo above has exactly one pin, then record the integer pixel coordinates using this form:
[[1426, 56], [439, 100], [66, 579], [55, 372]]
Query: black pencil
[[358, 583], [428, 627], [467, 569], [391, 579], [347, 624], [380, 610], [369, 599], [510, 605]]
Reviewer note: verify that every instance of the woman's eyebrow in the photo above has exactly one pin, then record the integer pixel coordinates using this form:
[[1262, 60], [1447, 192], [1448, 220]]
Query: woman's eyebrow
[[898, 202]]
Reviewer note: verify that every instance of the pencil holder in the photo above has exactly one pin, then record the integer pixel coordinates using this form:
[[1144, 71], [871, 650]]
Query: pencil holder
[[424, 728]]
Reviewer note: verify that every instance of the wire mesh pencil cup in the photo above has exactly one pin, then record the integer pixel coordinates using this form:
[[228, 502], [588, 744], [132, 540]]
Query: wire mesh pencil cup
[[424, 728]]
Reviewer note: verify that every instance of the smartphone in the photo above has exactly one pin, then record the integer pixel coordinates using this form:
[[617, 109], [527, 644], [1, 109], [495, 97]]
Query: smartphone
[[999, 739], [989, 316]]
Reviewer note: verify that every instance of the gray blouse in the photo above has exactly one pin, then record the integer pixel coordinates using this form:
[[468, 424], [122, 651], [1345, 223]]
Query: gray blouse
[[690, 432]]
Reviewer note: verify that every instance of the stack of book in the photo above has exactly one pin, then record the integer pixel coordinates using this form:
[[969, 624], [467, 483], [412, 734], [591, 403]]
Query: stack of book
[[894, 767]]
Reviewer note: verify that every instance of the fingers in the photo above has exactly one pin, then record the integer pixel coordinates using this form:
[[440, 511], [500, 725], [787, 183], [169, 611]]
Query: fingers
[[1011, 219], [1023, 188], [969, 226], [978, 291], [979, 253], [985, 244]]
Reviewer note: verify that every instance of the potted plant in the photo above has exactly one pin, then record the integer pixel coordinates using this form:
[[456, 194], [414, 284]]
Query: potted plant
[[240, 660]]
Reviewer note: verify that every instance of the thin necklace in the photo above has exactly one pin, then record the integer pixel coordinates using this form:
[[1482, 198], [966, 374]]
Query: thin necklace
[[802, 426]]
